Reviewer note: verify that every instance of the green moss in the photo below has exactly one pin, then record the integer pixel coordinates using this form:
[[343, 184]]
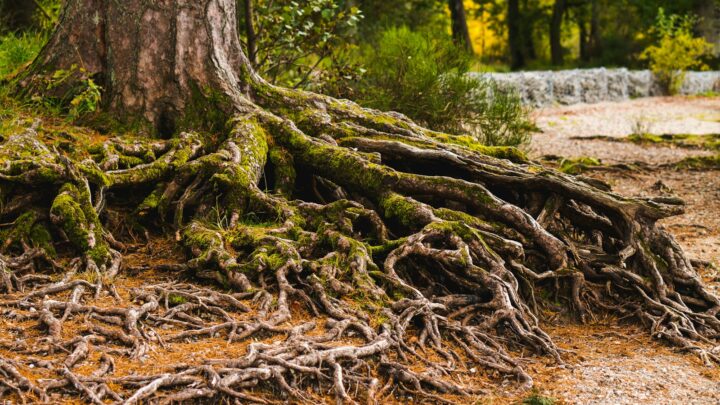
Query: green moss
[[284, 172], [71, 217], [340, 165], [459, 216], [706, 141], [699, 162], [40, 237], [207, 110], [404, 210], [24, 223], [501, 152], [460, 229], [27, 229], [201, 237], [578, 165], [535, 398], [174, 299], [385, 248], [152, 201], [74, 214], [99, 253], [645, 138]]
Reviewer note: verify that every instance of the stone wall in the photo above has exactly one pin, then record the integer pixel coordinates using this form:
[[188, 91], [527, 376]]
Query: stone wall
[[543, 88]]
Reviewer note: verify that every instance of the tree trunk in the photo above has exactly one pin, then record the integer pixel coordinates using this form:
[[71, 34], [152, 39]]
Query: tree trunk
[[527, 29], [460, 32], [358, 252], [556, 50], [250, 32], [595, 48], [153, 60], [515, 40], [583, 39]]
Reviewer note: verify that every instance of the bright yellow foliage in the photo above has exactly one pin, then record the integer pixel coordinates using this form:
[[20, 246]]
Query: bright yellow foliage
[[677, 51], [483, 38]]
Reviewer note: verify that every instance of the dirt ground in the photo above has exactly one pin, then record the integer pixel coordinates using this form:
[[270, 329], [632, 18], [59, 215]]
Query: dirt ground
[[608, 363]]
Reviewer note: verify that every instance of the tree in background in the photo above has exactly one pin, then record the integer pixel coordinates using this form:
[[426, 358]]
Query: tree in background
[[539, 33], [17, 15], [556, 50], [515, 36], [677, 50], [459, 26]]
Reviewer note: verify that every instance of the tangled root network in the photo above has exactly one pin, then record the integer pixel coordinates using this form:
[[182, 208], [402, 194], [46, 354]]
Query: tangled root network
[[336, 251]]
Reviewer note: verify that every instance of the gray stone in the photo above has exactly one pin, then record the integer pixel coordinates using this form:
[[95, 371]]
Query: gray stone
[[541, 88]]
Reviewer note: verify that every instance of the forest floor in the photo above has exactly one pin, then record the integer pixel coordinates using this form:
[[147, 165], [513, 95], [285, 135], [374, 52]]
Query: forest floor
[[606, 361], [609, 363]]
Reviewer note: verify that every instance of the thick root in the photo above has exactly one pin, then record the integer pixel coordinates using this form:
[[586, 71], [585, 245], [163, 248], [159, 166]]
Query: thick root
[[406, 247]]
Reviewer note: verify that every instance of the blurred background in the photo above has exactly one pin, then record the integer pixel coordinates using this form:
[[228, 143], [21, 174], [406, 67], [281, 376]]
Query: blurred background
[[413, 56]]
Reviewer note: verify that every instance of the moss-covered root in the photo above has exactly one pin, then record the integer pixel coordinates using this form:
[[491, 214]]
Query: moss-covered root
[[72, 211]]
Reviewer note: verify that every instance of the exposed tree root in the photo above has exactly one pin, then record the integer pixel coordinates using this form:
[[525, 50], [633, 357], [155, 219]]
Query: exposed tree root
[[360, 255], [408, 246]]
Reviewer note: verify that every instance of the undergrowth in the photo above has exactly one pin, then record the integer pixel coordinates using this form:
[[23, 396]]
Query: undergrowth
[[17, 50]]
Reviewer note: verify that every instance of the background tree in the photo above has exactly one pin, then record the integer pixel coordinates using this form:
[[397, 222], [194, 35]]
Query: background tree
[[556, 49], [515, 38], [459, 25], [17, 14]]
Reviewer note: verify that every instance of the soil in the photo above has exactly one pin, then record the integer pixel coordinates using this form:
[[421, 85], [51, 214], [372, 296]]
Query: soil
[[606, 361], [610, 363]]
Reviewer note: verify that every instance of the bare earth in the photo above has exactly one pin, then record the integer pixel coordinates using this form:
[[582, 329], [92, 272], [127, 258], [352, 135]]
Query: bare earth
[[610, 364]]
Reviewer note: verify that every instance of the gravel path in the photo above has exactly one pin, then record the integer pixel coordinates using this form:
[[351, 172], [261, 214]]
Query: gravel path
[[611, 364], [659, 115]]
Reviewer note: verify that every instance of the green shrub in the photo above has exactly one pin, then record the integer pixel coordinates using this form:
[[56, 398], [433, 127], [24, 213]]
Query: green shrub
[[296, 40], [676, 51], [535, 398], [18, 49], [425, 78]]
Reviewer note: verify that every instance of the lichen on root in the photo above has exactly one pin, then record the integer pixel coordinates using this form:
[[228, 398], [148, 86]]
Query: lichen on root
[[355, 252]]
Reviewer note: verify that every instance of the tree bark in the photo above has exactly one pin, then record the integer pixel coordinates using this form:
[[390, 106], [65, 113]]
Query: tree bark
[[515, 40], [460, 32], [583, 37], [556, 50], [595, 48], [153, 60], [250, 34]]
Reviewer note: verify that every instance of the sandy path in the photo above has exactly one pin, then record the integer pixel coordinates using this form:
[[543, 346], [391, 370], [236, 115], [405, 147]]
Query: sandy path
[[609, 364], [659, 115]]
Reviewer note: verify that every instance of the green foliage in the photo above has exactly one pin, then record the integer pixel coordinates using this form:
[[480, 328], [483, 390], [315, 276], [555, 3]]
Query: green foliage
[[80, 98], [295, 38], [699, 162], [578, 165], [425, 78], [415, 14], [47, 14], [535, 398], [706, 141], [676, 51], [87, 100], [16, 50]]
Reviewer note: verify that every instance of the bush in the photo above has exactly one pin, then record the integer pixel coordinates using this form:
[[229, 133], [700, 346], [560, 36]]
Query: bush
[[296, 40], [18, 49], [425, 78], [676, 51], [536, 399]]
